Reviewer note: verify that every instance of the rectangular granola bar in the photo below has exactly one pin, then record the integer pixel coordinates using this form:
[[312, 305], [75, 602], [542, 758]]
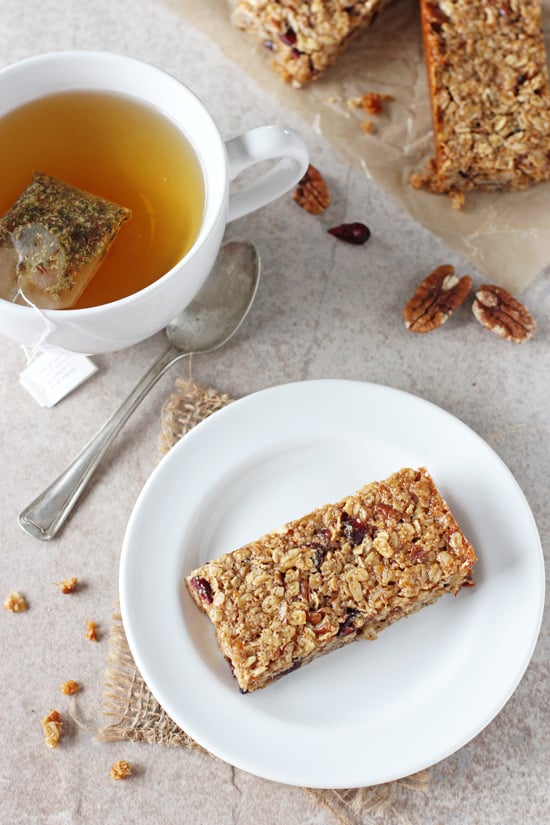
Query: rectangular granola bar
[[305, 38], [490, 95], [343, 572]]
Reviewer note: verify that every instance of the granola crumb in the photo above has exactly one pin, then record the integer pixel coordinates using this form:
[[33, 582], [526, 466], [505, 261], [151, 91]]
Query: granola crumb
[[417, 180], [67, 585], [367, 126], [120, 770], [373, 102], [91, 631], [458, 199], [70, 687], [52, 726], [16, 602]]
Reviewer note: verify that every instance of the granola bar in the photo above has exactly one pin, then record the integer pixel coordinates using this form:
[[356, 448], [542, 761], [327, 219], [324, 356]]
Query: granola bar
[[341, 573], [490, 95], [305, 38]]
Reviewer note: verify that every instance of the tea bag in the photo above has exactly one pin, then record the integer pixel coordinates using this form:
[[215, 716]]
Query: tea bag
[[52, 241]]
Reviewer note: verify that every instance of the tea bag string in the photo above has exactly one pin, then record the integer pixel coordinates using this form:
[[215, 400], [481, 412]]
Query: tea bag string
[[33, 350]]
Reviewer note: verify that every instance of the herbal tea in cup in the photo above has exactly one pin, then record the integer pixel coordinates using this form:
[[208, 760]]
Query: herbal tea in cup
[[144, 161], [119, 149]]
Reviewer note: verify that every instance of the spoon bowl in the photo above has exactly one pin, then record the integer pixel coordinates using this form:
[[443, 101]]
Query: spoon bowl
[[222, 304], [208, 322]]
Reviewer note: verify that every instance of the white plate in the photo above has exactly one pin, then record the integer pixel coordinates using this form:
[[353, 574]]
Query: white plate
[[372, 711]]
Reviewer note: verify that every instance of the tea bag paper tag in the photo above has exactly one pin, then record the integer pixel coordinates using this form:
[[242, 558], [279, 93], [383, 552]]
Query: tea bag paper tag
[[53, 374]]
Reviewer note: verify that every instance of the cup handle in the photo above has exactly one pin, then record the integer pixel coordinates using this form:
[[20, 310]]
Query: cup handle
[[265, 143]]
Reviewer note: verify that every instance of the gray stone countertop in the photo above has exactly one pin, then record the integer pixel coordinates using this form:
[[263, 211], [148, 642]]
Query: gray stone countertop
[[323, 310]]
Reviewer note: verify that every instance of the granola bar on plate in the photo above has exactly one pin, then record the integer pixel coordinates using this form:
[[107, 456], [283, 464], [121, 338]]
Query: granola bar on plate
[[341, 573]]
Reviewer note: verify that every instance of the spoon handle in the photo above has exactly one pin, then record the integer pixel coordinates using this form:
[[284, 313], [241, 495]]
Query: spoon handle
[[45, 516]]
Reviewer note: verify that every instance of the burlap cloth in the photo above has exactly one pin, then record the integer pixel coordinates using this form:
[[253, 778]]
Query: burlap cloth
[[133, 714]]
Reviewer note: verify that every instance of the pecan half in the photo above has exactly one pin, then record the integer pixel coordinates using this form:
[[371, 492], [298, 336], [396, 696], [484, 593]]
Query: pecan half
[[311, 192], [496, 309], [202, 589], [435, 299]]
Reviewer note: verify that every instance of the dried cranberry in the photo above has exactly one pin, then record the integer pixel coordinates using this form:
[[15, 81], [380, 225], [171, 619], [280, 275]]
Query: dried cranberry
[[347, 627], [202, 589], [294, 666], [355, 233], [288, 37], [354, 529], [321, 545]]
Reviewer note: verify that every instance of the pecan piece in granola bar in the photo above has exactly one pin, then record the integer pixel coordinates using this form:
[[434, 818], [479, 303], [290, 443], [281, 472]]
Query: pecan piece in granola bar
[[435, 299]]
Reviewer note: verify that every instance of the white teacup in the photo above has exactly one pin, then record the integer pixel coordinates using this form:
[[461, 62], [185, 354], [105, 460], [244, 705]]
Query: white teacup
[[131, 319]]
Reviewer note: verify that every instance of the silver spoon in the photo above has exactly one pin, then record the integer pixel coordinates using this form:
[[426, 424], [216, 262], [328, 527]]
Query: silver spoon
[[210, 320]]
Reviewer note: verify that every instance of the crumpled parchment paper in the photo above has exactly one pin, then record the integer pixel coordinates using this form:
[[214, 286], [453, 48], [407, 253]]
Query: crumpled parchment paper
[[505, 235]]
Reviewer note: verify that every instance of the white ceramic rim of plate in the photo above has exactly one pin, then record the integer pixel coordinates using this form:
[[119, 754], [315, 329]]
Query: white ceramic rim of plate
[[494, 649]]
